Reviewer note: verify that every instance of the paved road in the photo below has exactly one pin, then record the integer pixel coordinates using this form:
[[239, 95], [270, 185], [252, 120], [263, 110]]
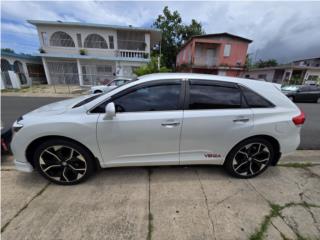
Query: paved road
[[13, 107]]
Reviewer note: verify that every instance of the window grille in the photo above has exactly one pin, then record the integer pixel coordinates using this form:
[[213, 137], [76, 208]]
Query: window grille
[[61, 39], [95, 41], [63, 72], [131, 40], [5, 65], [79, 40], [111, 42]]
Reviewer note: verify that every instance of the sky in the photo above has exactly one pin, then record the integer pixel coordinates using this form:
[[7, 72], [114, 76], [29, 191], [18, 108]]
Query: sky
[[284, 31]]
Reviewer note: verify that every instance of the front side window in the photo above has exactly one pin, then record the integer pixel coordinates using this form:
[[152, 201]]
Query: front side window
[[254, 100], [204, 96], [150, 98]]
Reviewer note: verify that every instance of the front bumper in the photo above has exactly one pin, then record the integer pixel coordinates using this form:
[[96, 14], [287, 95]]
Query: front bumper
[[23, 166]]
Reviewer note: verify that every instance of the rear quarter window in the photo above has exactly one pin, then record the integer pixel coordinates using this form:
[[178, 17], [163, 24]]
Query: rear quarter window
[[254, 100]]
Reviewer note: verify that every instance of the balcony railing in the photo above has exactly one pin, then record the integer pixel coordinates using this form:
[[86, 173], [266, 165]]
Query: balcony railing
[[132, 54]]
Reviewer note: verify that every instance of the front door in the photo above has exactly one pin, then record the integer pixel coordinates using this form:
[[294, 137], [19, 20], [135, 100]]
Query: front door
[[211, 57], [214, 121], [146, 128]]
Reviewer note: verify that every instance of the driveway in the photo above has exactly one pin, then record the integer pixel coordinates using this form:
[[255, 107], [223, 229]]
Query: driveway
[[195, 202], [13, 107]]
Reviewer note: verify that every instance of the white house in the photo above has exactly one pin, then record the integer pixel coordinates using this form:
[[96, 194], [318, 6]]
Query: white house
[[89, 54], [19, 70]]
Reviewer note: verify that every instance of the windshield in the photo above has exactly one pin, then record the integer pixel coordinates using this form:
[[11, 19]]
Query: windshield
[[290, 88]]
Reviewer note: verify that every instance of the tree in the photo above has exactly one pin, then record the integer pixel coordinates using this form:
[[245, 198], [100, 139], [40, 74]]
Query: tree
[[266, 63], [8, 50], [248, 64], [174, 33], [151, 67]]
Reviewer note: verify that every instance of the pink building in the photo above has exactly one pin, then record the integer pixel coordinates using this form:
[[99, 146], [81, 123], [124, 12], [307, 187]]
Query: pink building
[[220, 53]]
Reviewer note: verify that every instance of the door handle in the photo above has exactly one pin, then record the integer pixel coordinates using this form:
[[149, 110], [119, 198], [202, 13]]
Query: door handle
[[170, 124], [241, 120]]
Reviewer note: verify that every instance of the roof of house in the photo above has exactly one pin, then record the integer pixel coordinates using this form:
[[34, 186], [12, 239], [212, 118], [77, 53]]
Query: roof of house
[[20, 55], [284, 66], [303, 59], [94, 25], [224, 34]]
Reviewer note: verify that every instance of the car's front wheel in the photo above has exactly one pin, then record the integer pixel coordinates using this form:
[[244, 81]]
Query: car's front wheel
[[249, 158], [63, 162]]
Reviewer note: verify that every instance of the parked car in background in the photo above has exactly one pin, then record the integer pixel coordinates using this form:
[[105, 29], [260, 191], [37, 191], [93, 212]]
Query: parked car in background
[[112, 85], [302, 93], [161, 119]]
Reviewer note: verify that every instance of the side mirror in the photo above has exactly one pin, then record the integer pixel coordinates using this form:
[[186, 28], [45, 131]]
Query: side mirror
[[110, 111]]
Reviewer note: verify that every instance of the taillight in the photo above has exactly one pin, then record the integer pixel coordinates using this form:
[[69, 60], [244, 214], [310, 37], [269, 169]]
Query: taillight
[[299, 120]]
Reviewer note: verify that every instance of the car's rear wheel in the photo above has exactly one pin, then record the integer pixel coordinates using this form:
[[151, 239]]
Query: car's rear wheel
[[249, 158], [63, 162]]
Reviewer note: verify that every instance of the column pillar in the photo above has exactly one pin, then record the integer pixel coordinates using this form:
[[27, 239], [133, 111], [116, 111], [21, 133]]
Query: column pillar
[[46, 70], [80, 72]]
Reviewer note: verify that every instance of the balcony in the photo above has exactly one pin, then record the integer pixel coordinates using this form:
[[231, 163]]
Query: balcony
[[132, 54]]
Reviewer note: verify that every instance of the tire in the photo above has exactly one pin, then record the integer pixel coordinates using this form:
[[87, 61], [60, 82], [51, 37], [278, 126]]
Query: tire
[[97, 91], [63, 162], [243, 160]]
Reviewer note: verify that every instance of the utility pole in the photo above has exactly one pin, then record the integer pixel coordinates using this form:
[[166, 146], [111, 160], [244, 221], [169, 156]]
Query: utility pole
[[159, 57]]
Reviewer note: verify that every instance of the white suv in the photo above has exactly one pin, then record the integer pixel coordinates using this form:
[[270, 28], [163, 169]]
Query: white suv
[[161, 119]]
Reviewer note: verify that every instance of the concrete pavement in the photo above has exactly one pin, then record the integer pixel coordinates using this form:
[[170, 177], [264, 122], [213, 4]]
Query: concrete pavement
[[194, 202]]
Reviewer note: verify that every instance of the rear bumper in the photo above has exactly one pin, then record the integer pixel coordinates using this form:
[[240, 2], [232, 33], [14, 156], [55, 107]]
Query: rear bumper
[[23, 166]]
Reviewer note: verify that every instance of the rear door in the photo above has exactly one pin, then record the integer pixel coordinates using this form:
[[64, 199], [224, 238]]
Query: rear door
[[215, 119]]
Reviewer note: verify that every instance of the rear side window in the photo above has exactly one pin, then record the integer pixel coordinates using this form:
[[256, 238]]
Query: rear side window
[[204, 96], [254, 100]]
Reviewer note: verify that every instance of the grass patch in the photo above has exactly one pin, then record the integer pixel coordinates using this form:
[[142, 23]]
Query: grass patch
[[150, 226], [296, 165], [275, 212]]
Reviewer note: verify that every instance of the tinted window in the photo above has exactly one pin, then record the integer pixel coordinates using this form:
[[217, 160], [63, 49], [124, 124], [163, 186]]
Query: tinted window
[[150, 98], [254, 100], [214, 97]]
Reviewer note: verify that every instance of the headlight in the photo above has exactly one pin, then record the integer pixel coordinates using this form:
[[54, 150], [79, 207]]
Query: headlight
[[17, 125]]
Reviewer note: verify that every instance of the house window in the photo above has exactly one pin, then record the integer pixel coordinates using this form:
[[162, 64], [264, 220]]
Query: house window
[[95, 41], [227, 50], [61, 39], [79, 40], [131, 40], [262, 76], [44, 37], [111, 42]]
